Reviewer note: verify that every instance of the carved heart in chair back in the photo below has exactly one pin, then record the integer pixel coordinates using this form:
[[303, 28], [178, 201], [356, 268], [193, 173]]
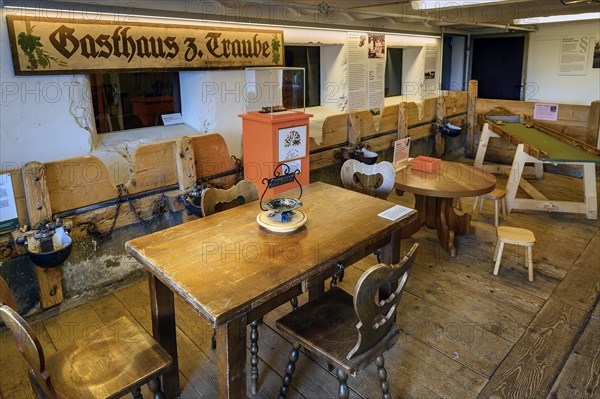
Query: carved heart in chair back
[[376, 180]]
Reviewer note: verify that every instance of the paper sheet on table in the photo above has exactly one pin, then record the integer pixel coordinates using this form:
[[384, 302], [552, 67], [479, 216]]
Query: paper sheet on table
[[395, 212]]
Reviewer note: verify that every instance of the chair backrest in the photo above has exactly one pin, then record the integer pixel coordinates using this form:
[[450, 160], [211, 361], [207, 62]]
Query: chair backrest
[[6, 297], [377, 316], [214, 200], [376, 180], [31, 349]]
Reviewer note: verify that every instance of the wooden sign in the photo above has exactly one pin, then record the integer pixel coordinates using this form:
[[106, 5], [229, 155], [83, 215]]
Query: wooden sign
[[60, 46]]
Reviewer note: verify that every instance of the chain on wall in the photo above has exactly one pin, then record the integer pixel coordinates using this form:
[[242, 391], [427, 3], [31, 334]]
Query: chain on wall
[[160, 208]]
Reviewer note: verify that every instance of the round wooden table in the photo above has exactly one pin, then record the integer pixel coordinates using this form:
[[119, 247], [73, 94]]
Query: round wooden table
[[434, 195]]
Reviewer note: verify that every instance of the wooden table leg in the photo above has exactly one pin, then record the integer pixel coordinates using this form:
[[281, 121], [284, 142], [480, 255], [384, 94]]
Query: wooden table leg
[[444, 231], [460, 223], [315, 289], [231, 359], [450, 224], [162, 308], [390, 253], [421, 205]]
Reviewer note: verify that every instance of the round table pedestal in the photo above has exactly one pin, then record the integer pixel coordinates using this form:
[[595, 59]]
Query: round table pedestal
[[438, 213]]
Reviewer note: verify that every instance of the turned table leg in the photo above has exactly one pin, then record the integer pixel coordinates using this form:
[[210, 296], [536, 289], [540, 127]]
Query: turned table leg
[[450, 224]]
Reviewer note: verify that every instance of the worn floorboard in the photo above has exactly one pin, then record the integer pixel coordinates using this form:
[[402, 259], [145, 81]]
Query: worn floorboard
[[581, 286], [580, 378], [532, 365]]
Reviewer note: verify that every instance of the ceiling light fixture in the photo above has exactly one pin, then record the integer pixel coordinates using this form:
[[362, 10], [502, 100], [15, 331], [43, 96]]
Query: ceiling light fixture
[[437, 4], [569, 2], [557, 18]]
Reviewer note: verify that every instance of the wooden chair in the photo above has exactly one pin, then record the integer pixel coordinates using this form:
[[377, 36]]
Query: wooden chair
[[497, 195], [376, 180], [517, 236], [349, 332], [215, 200], [108, 363]]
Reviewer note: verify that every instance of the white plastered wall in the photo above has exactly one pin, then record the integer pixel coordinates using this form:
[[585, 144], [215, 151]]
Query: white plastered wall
[[543, 81], [42, 117]]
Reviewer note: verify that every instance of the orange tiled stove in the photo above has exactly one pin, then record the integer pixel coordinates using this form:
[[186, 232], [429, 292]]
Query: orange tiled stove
[[272, 138]]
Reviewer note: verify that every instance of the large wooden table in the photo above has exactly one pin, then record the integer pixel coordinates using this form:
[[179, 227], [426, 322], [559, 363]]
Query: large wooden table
[[434, 195], [232, 272]]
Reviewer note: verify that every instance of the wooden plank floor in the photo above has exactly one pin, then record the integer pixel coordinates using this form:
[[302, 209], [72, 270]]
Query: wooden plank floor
[[465, 332]]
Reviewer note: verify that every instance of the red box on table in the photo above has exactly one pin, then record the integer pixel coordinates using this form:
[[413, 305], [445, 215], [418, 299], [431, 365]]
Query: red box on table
[[426, 164]]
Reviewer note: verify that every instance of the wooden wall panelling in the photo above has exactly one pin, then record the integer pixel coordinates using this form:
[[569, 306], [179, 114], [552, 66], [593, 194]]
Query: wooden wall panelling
[[38, 210], [325, 158], [212, 157], [381, 143], [389, 119], [77, 182], [412, 114], [153, 167], [361, 125], [402, 131], [429, 109], [572, 119], [36, 193], [471, 117], [456, 102], [593, 127], [185, 162], [102, 217], [419, 127], [428, 112], [334, 131]]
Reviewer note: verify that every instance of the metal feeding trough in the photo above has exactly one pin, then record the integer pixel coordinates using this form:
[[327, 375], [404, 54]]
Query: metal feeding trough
[[448, 129], [191, 200], [364, 155], [281, 215], [50, 246]]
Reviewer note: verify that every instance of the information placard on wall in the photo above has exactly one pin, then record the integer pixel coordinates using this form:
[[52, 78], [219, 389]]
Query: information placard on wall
[[545, 112], [357, 48], [8, 207], [573, 56], [376, 71]]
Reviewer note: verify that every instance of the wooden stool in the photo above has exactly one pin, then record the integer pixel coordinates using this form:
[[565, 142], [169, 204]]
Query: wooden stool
[[517, 236], [497, 195]]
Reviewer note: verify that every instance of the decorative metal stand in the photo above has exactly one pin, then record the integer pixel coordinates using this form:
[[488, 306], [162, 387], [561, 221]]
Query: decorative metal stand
[[280, 214]]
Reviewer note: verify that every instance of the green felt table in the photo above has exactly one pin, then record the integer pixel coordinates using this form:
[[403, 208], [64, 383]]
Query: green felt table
[[557, 150]]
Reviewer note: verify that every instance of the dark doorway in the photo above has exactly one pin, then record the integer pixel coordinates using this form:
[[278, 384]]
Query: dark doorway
[[453, 62], [498, 67]]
